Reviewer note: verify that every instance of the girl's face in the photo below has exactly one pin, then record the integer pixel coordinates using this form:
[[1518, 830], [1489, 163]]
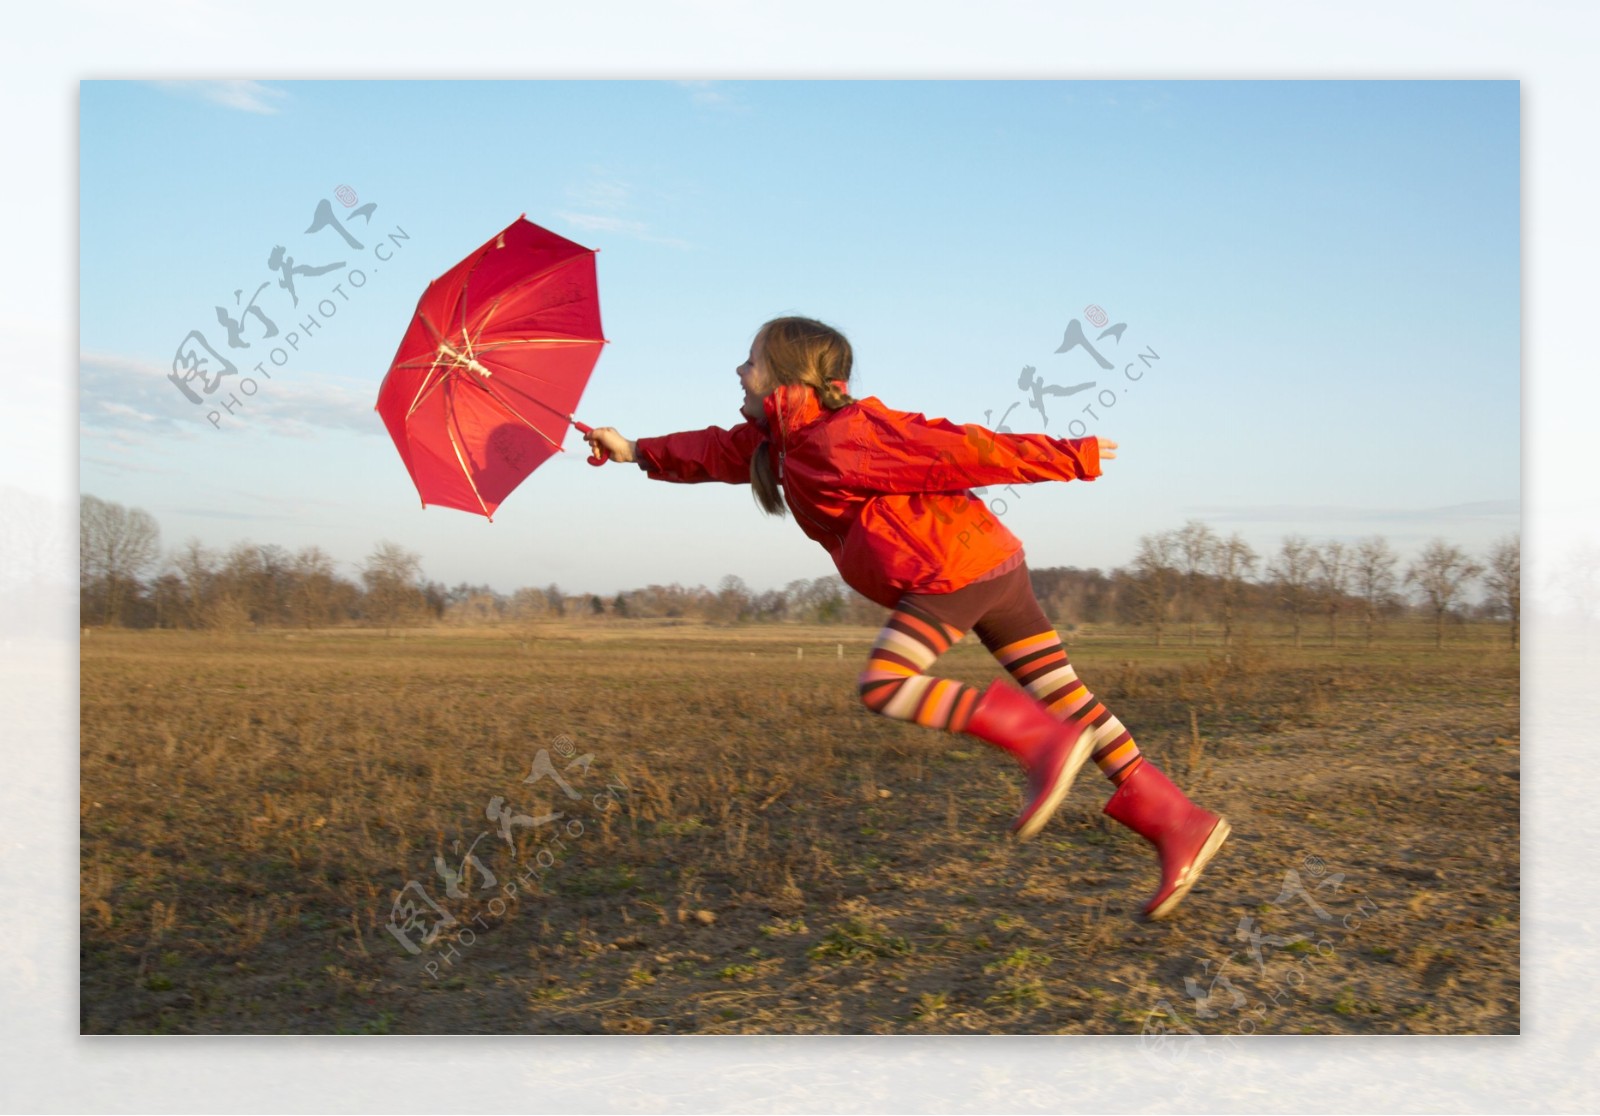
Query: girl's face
[[753, 378]]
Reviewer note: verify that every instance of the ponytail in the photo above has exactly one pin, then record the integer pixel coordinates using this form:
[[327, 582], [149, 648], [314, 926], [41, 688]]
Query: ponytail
[[797, 350], [763, 485], [832, 396]]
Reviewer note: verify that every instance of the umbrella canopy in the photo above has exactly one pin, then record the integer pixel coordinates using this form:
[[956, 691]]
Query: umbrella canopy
[[490, 370]]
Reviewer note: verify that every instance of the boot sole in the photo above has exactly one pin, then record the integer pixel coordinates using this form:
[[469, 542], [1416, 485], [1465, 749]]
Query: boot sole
[[1219, 834], [1069, 772]]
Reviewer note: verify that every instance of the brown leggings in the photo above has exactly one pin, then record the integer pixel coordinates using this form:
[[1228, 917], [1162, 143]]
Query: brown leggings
[[1008, 619]]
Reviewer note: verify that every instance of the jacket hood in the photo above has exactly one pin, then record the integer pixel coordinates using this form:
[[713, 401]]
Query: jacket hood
[[791, 407]]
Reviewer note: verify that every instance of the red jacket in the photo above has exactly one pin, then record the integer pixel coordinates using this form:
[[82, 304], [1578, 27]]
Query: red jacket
[[884, 491]]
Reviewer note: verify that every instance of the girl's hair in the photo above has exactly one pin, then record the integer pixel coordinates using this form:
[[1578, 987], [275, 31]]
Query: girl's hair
[[797, 351]]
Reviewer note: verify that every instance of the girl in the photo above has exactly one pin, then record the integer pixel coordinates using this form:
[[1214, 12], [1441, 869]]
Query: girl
[[885, 492]]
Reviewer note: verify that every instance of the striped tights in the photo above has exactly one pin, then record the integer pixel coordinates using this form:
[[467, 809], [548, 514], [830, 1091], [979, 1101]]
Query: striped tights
[[896, 684]]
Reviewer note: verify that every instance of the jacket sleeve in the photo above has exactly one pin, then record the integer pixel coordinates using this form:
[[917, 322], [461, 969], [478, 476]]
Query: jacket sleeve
[[891, 451], [696, 456]]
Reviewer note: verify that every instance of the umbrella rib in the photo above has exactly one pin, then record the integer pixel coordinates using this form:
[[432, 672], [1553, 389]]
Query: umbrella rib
[[428, 382], [437, 335], [449, 429], [492, 345], [466, 283], [425, 388], [420, 362], [524, 281], [487, 390]]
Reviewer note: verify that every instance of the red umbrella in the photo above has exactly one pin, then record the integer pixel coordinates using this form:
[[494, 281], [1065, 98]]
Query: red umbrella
[[485, 381]]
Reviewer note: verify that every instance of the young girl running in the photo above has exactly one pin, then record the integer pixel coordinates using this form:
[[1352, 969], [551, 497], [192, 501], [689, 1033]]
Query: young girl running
[[885, 492]]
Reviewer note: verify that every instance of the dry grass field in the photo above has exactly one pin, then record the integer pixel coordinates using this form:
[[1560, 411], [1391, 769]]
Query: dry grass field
[[641, 827]]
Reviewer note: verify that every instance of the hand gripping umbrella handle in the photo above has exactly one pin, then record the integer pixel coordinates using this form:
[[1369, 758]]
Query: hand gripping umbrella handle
[[599, 455]]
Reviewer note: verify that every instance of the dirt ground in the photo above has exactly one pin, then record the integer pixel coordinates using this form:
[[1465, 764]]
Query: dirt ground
[[652, 829]]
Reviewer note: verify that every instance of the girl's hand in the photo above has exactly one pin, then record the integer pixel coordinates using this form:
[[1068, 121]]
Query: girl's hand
[[1107, 448], [613, 443]]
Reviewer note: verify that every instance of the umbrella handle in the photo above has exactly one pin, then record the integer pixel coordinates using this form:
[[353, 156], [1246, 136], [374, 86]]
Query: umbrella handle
[[599, 455]]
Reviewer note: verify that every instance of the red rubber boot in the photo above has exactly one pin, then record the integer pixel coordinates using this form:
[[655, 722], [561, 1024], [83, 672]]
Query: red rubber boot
[[1185, 836], [1050, 751]]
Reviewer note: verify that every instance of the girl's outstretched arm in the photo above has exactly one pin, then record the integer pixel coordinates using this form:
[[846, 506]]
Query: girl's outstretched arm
[[607, 438], [689, 457], [898, 452]]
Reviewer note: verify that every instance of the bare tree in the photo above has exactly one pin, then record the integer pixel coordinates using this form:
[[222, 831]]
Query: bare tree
[[529, 604], [732, 601], [197, 570], [771, 604], [116, 546], [314, 601], [393, 577], [166, 599], [1372, 570], [797, 598], [827, 600], [1196, 543], [241, 596], [1441, 574], [555, 600], [860, 610], [1234, 563], [1503, 580], [1291, 572], [1332, 582], [1155, 578]]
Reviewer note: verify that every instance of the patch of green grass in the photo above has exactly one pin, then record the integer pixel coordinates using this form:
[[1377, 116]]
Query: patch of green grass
[[1020, 993], [737, 973], [785, 928], [1347, 1004], [604, 879], [682, 827], [378, 1026], [1018, 961], [858, 937]]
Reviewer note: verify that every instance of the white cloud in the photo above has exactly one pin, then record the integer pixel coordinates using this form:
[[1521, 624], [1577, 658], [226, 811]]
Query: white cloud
[[246, 96], [598, 222], [602, 202], [706, 93], [128, 402], [600, 193]]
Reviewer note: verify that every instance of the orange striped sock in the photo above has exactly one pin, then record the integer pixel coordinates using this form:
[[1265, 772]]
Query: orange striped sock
[[1039, 664], [894, 682]]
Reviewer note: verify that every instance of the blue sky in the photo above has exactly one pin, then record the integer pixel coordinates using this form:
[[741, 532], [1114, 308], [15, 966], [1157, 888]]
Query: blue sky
[[1329, 272]]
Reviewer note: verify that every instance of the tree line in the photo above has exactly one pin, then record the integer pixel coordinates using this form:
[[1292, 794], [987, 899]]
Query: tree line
[[1178, 582]]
